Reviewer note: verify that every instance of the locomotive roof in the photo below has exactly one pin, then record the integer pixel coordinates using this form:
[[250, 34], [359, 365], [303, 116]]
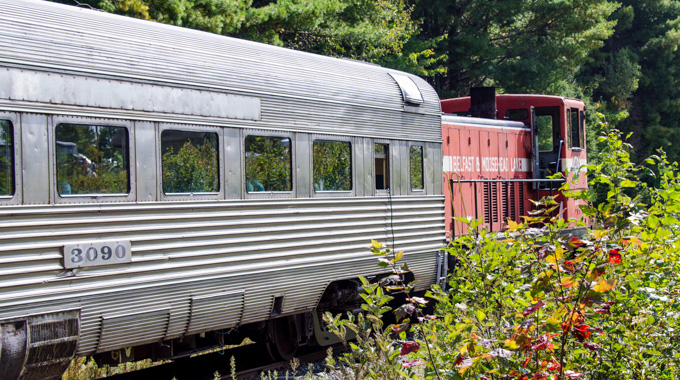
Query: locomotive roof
[[54, 37]]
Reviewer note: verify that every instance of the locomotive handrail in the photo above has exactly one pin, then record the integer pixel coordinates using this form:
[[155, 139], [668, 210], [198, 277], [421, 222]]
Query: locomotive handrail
[[499, 180]]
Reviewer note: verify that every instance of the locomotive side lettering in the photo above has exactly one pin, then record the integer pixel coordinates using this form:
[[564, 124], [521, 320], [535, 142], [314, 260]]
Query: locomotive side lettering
[[471, 164]]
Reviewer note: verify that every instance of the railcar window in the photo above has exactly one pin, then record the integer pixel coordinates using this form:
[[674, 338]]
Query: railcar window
[[574, 135], [190, 163], [92, 159], [268, 164], [545, 132], [417, 181], [6, 158], [382, 167], [332, 161]]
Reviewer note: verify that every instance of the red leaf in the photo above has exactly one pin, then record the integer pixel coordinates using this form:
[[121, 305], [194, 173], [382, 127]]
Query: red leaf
[[568, 266], [541, 343], [614, 256], [576, 242], [581, 332], [528, 311], [597, 272], [408, 347], [591, 346]]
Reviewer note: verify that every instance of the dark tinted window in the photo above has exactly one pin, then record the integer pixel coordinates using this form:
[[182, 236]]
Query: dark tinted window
[[517, 114], [382, 166], [574, 130]]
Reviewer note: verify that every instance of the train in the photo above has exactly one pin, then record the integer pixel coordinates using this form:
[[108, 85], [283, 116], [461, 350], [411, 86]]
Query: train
[[501, 152], [164, 191]]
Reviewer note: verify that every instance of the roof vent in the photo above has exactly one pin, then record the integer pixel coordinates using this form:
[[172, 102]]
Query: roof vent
[[409, 90]]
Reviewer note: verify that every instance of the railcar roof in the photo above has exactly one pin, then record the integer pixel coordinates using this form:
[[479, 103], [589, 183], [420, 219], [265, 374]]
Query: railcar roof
[[50, 36]]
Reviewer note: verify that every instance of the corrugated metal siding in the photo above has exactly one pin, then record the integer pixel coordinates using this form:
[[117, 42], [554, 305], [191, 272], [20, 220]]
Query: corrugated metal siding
[[185, 251], [297, 90]]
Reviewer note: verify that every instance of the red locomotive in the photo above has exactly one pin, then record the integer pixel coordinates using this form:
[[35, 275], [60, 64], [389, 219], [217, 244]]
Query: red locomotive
[[500, 149]]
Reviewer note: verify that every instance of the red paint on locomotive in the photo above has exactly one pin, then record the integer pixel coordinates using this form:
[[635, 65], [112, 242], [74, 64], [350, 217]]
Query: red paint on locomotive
[[490, 164]]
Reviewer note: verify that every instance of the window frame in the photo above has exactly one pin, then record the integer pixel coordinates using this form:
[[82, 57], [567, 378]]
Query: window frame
[[220, 162], [388, 157], [92, 198], [408, 163], [353, 160], [268, 194], [16, 197], [570, 125]]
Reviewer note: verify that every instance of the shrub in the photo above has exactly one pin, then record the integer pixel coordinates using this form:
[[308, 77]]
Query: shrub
[[540, 302]]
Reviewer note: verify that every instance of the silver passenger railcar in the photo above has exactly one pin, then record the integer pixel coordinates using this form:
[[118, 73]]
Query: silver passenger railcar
[[160, 187]]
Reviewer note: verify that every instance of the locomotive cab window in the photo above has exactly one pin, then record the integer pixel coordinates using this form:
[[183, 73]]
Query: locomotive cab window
[[6, 158], [92, 159], [517, 114], [382, 166], [545, 132], [189, 162], [574, 128], [332, 163], [268, 163], [416, 168]]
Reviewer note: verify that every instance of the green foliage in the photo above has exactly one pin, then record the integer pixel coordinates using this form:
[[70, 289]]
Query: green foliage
[[332, 161], [193, 168], [84, 369], [377, 352], [635, 75], [541, 303]]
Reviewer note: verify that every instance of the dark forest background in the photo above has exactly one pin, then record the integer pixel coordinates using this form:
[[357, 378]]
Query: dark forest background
[[620, 57]]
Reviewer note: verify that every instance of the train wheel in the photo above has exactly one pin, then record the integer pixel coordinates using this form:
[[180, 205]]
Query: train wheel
[[283, 338]]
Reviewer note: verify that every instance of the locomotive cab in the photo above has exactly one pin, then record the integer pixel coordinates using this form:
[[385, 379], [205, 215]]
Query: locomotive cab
[[549, 139]]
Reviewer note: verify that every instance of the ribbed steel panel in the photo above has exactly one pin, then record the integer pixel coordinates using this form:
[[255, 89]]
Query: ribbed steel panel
[[298, 91], [238, 252]]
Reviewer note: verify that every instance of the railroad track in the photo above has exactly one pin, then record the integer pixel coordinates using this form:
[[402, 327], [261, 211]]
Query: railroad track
[[250, 361]]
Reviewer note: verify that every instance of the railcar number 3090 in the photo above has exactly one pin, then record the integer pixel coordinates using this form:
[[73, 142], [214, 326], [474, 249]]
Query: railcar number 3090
[[96, 253]]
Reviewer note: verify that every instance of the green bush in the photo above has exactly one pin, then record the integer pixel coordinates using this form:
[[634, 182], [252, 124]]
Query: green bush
[[541, 303]]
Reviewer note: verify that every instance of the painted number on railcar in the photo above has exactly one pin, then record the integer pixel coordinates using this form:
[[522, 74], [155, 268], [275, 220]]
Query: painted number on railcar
[[97, 253]]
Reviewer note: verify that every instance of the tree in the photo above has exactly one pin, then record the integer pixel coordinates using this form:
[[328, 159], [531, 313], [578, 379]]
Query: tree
[[637, 72], [516, 45]]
